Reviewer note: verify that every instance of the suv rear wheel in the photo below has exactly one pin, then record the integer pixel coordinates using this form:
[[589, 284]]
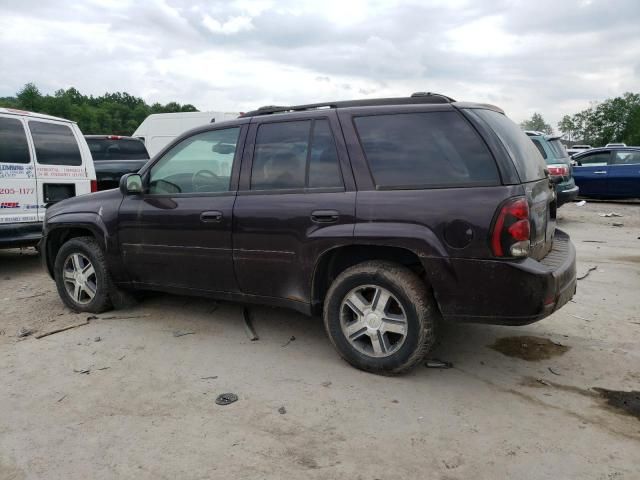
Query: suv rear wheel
[[380, 316], [81, 276]]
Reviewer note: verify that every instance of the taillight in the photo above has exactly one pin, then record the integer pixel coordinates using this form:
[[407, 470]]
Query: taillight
[[94, 186], [512, 230], [558, 170]]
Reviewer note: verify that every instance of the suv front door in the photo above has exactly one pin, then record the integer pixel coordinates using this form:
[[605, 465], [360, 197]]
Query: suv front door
[[296, 200], [178, 232]]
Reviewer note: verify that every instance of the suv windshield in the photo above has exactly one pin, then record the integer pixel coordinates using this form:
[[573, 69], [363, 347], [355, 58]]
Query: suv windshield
[[117, 149], [527, 159]]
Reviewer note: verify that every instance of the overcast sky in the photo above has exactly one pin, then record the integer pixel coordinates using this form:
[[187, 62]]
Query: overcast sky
[[553, 57]]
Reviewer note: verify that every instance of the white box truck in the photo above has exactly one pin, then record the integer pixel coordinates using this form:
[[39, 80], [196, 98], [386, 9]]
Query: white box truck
[[158, 129]]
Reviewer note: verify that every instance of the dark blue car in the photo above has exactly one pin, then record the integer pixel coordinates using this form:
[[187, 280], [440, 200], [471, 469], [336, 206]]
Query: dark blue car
[[609, 172]]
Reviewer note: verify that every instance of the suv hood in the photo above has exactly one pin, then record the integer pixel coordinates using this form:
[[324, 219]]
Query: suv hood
[[89, 203]]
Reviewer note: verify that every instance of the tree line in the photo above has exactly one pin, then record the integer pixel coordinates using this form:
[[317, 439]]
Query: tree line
[[613, 120], [112, 113]]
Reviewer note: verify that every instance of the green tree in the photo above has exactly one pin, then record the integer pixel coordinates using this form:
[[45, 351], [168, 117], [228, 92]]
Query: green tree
[[567, 127], [118, 113], [29, 98], [537, 123]]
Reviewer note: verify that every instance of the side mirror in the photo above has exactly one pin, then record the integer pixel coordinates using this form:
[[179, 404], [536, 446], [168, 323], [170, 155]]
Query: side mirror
[[131, 184]]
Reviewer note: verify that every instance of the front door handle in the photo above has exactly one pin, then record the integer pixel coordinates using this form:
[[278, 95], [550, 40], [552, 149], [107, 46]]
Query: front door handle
[[324, 216], [213, 216], [600, 172]]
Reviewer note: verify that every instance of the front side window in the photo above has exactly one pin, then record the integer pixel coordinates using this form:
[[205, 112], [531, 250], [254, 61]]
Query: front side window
[[199, 164], [594, 160], [626, 158], [295, 155], [55, 144], [13, 142], [425, 149]]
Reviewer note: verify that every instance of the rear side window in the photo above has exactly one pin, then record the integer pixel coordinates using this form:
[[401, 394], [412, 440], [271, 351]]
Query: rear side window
[[524, 154], [540, 148], [436, 149], [55, 144], [13, 142], [626, 158], [295, 155], [117, 149]]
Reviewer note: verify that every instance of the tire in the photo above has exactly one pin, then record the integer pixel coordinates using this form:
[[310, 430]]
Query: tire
[[410, 308], [84, 252]]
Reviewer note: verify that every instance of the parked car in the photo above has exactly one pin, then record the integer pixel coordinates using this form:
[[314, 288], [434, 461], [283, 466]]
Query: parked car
[[558, 164], [43, 160], [115, 155], [577, 149], [382, 215], [609, 172], [160, 129]]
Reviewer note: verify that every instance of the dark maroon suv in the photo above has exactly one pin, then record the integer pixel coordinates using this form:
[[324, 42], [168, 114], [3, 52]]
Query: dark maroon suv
[[382, 215]]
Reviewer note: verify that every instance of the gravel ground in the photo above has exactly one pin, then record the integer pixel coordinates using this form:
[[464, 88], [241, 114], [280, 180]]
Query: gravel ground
[[146, 408]]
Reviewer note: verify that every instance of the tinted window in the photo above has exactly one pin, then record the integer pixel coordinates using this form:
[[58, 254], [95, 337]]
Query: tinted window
[[117, 149], [13, 142], [55, 144], [525, 156], [280, 156], [425, 149], [324, 170], [594, 160], [201, 163], [626, 158], [557, 148], [540, 148]]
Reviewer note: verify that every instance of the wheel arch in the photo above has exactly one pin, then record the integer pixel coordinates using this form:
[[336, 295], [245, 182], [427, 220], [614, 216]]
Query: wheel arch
[[335, 260]]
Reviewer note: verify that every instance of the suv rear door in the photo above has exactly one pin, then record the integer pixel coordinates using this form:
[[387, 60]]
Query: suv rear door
[[624, 174], [296, 200]]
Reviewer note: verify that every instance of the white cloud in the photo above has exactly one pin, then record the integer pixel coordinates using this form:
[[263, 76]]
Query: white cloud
[[233, 25], [239, 54]]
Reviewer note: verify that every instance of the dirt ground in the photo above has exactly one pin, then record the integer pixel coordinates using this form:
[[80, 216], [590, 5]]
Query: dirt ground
[[146, 408]]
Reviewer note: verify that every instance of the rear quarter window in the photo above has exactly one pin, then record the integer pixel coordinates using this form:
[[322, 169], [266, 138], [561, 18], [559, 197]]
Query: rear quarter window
[[558, 149], [526, 158], [55, 144], [425, 150]]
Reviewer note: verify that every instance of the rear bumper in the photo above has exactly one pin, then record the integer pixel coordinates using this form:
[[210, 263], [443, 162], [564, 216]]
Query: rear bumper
[[511, 292], [13, 235], [567, 195]]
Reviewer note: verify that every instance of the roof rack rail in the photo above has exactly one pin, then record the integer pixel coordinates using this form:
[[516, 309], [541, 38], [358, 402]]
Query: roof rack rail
[[418, 97]]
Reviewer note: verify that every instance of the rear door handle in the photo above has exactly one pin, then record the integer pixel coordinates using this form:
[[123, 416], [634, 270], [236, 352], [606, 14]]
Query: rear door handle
[[213, 216], [324, 216], [600, 172]]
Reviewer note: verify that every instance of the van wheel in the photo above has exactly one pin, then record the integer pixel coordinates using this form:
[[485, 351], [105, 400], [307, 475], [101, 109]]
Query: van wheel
[[81, 276], [381, 317]]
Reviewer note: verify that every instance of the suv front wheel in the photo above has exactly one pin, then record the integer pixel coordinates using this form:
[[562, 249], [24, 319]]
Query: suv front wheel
[[380, 316], [81, 276]]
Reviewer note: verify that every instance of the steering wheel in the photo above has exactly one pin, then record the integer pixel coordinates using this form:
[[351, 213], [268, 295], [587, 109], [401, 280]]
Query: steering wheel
[[205, 175]]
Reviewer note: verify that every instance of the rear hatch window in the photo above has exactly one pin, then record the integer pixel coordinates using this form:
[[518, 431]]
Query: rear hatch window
[[558, 150], [526, 157], [117, 149]]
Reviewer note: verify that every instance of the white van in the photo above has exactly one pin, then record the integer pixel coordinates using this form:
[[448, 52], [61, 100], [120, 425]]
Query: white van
[[43, 160], [158, 129]]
